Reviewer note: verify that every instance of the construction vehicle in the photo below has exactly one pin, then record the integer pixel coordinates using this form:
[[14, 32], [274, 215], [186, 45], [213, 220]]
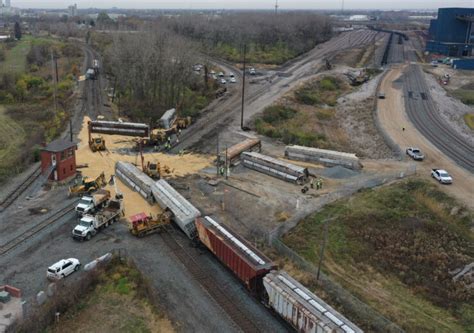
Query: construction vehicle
[[87, 185], [90, 225], [142, 224], [97, 144], [182, 122], [153, 170], [89, 204]]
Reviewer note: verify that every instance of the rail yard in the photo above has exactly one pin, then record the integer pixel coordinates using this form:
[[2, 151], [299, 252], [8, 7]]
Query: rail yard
[[210, 209]]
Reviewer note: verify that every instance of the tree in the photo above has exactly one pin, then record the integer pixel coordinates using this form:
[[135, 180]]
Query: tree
[[17, 31]]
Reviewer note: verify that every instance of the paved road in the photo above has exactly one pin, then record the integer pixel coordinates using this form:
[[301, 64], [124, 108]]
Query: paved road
[[424, 114]]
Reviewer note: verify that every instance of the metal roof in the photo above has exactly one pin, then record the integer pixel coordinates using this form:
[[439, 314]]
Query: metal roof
[[274, 161], [59, 145]]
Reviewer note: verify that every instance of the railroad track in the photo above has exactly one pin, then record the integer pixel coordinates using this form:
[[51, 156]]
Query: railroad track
[[13, 243], [211, 285], [422, 112], [12, 196]]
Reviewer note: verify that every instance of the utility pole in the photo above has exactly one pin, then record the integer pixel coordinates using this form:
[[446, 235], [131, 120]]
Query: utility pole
[[54, 83], [70, 129], [342, 7], [243, 91], [276, 7], [217, 155], [56, 66]]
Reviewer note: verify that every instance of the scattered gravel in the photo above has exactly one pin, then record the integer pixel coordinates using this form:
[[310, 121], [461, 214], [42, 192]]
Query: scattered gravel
[[451, 109]]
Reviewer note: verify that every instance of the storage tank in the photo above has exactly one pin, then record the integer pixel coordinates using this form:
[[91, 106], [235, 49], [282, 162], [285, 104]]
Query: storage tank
[[323, 156], [135, 179], [247, 263], [301, 308], [274, 167], [184, 213]]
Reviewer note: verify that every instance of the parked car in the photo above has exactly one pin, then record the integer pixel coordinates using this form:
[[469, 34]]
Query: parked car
[[223, 81], [233, 80], [434, 63], [63, 268], [415, 153], [442, 176], [231, 74], [212, 72], [252, 71], [221, 74]]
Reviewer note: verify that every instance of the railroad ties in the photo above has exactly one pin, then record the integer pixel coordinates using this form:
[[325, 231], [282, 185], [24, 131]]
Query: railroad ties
[[12, 196], [209, 283], [13, 243]]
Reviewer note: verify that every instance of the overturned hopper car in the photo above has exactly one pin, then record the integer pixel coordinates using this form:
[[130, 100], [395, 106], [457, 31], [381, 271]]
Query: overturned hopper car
[[274, 167], [301, 308], [233, 153], [247, 263], [119, 128], [184, 213], [323, 156], [135, 179]]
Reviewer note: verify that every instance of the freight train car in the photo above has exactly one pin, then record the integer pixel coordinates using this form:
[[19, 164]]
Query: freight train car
[[184, 213], [323, 156], [135, 179], [119, 128], [247, 263], [233, 153], [274, 167], [301, 308]]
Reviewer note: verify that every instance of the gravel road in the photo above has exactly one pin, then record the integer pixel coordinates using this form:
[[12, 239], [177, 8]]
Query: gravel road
[[393, 118]]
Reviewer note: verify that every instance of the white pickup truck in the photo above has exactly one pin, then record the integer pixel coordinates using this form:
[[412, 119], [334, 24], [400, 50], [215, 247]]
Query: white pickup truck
[[89, 204], [442, 176], [89, 225]]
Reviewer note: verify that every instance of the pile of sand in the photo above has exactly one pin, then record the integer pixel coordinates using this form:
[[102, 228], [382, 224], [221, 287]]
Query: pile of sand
[[105, 162]]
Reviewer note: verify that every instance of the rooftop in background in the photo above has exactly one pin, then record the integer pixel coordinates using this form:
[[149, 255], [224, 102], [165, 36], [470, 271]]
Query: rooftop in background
[[59, 145]]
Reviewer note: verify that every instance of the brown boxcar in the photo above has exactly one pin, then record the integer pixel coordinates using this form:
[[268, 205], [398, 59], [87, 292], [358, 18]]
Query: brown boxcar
[[247, 263]]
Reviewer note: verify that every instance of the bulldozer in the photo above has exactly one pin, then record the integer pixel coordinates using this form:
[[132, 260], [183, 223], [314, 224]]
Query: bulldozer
[[87, 185], [182, 122], [142, 224], [154, 170], [97, 144]]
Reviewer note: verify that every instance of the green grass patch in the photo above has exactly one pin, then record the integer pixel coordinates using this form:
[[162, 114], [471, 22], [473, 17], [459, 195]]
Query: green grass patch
[[272, 54], [15, 58], [469, 119], [393, 247], [11, 140], [464, 95], [324, 91]]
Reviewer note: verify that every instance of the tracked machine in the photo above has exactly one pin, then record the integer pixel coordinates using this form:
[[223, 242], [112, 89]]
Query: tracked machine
[[142, 224], [87, 185]]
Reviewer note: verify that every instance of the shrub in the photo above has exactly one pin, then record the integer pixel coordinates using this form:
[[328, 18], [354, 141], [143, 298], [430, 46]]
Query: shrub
[[275, 114], [329, 84]]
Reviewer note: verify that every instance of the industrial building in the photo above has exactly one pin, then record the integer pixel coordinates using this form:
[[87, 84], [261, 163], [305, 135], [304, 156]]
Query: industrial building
[[451, 34], [58, 160]]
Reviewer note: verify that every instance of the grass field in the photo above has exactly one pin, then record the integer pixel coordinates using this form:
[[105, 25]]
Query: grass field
[[15, 60], [393, 248], [11, 139], [307, 116], [117, 304], [465, 95], [469, 119]]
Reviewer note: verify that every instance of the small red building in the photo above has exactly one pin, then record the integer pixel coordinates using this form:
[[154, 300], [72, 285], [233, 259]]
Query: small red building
[[58, 160]]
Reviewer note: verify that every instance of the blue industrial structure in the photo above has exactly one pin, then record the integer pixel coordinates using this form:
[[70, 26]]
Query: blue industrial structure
[[451, 33]]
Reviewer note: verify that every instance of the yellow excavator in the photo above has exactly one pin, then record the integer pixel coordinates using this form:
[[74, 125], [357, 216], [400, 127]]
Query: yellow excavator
[[87, 185], [142, 224], [97, 144]]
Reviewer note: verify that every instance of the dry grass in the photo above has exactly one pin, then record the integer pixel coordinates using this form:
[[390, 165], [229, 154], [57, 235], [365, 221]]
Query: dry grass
[[469, 119]]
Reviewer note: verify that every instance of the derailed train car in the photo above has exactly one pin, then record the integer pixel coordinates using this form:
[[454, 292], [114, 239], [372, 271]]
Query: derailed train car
[[276, 289], [323, 156], [234, 152], [184, 213], [247, 263], [301, 308], [135, 179], [274, 167]]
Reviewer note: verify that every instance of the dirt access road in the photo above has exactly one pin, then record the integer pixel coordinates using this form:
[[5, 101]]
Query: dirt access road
[[273, 85], [393, 118]]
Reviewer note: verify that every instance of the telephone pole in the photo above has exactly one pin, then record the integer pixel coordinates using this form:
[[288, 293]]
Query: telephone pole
[[243, 92], [276, 7]]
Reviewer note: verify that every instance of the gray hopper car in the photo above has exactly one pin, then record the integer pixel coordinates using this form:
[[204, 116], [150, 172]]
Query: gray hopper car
[[301, 308], [184, 213], [323, 156], [274, 167], [167, 119], [135, 179]]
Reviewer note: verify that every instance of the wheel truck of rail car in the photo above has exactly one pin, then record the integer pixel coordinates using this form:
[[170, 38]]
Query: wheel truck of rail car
[[87, 185], [90, 225], [89, 204], [142, 224]]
